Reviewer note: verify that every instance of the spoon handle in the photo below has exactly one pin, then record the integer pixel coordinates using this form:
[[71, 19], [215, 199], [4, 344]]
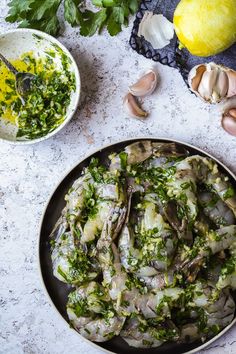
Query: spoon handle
[[8, 64]]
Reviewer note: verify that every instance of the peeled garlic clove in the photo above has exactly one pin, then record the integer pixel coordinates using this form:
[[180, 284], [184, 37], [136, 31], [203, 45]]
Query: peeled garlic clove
[[156, 29], [145, 85], [232, 83], [132, 108]]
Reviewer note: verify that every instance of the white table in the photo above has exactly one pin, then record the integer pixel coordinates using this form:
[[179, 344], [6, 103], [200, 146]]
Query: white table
[[28, 175]]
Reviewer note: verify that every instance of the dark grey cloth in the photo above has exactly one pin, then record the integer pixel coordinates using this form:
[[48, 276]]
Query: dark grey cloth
[[171, 55]]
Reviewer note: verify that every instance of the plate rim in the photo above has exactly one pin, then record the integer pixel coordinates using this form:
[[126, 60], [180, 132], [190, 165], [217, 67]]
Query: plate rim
[[94, 151]]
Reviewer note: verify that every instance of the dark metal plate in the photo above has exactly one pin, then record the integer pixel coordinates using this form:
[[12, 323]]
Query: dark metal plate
[[57, 290]]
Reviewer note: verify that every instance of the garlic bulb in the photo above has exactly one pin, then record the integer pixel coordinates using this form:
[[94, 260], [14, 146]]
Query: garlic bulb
[[132, 107], [229, 117], [156, 29], [145, 85], [213, 83]]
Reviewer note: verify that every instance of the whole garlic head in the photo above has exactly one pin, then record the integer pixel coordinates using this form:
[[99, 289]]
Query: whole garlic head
[[213, 83]]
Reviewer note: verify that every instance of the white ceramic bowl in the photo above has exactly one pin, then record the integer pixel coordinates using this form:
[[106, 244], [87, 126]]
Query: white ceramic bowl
[[18, 41]]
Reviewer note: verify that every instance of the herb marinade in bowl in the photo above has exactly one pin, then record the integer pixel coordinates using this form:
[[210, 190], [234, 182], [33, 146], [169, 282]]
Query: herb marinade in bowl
[[54, 94]]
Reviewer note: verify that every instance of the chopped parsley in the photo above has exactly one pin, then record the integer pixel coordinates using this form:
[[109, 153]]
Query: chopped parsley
[[45, 106]]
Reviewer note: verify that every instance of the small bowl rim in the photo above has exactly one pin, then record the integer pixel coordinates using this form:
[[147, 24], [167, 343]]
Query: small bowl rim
[[77, 91], [64, 175]]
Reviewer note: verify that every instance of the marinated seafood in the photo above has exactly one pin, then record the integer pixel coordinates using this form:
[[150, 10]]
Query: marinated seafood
[[147, 243]]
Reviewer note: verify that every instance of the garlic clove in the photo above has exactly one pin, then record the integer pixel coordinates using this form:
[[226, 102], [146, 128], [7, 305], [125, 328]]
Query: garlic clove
[[195, 76], [229, 116], [132, 107], [205, 88], [229, 122], [221, 85], [232, 83], [232, 112], [228, 105], [145, 85]]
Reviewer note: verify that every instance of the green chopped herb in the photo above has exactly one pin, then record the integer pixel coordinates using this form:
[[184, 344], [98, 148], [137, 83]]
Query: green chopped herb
[[123, 159], [229, 193]]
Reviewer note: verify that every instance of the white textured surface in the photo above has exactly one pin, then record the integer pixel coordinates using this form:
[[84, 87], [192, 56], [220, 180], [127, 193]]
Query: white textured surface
[[28, 174]]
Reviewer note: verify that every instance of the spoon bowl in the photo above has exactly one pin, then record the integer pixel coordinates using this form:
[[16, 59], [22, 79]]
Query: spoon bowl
[[24, 81]]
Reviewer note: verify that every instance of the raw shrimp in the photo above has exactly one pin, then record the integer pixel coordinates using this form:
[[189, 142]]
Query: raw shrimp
[[182, 209], [190, 171], [207, 172], [95, 222], [91, 315], [129, 255], [214, 242], [217, 211], [76, 196], [139, 152], [70, 263], [157, 244], [219, 311], [140, 335], [160, 280], [138, 338], [113, 275], [227, 277], [160, 239]]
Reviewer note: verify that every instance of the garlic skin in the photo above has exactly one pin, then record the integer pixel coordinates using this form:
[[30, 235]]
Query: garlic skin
[[212, 83], [145, 85], [229, 116], [132, 107], [156, 29], [232, 83]]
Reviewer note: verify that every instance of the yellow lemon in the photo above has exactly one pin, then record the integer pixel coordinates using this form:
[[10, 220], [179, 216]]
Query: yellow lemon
[[206, 27]]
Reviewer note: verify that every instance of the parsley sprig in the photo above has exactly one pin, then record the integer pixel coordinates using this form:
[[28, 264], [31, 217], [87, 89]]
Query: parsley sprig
[[43, 15]]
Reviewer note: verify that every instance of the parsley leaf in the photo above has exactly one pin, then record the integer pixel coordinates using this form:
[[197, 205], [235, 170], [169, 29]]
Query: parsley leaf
[[92, 22], [18, 9], [44, 9], [43, 15], [36, 14], [72, 13]]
